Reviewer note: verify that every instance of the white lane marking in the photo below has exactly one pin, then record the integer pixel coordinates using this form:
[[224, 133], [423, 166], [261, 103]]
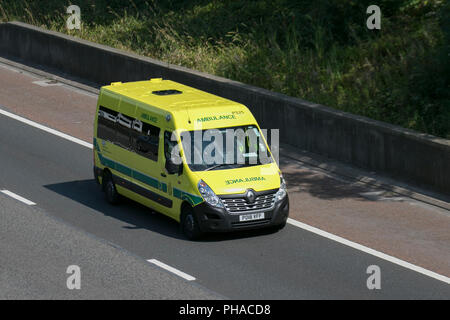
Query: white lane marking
[[17, 197], [172, 269], [370, 251], [290, 221], [44, 128]]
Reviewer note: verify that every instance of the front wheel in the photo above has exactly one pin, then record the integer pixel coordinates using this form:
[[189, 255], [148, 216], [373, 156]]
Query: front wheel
[[278, 227], [189, 225], [281, 226]]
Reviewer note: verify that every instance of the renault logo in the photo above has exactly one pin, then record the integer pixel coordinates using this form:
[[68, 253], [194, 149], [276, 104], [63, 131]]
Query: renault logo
[[250, 196]]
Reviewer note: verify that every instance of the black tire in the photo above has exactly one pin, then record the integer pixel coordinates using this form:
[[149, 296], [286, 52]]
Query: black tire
[[278, 227], [111, 194], [281, 226], [97, 179], [189, 225]]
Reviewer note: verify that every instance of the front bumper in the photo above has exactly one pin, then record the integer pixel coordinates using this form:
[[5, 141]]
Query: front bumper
[[212, 219]]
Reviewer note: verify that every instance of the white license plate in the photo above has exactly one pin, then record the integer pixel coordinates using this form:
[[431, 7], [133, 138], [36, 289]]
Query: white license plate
[[252, 216]]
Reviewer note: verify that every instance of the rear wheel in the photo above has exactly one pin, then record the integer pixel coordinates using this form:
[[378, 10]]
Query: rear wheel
[[189, 225], [111, 194]]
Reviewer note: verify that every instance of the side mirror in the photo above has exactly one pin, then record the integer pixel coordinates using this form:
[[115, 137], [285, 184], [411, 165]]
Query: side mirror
[[173, 168]]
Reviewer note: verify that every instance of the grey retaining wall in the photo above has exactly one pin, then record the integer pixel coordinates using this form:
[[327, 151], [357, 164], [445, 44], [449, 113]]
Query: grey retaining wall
[[404, 154]]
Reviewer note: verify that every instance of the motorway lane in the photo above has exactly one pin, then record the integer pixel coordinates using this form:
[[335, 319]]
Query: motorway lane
[[386, 221], [389, 222], [291, 264], [37, 249]]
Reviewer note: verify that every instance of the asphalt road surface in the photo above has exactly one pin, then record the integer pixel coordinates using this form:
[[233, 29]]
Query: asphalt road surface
[[52, 215], [37, 249], [71, 223]]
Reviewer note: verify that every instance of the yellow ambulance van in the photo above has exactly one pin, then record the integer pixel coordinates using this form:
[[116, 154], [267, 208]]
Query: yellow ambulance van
[[193, 156]]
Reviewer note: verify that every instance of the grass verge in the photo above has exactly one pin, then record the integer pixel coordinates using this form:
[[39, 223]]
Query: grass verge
[[317, 50]]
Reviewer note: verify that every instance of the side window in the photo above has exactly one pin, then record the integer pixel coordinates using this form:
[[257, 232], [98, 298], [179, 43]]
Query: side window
[[128, 133], [106, 124], [168, 144], [123, 132], [145, 139]]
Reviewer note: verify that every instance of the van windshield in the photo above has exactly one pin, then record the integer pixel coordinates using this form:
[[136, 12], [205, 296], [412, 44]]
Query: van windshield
[[224, 148]]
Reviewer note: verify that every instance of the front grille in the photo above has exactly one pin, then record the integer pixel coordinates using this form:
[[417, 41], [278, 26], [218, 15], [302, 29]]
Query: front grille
[[239, 204]]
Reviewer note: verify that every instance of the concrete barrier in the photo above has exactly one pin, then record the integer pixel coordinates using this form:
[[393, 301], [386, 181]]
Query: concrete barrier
[[416, 158]]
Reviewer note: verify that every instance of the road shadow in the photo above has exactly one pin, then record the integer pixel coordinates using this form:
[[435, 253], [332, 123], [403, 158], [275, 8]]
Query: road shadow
[[135, 215], [300, 178]]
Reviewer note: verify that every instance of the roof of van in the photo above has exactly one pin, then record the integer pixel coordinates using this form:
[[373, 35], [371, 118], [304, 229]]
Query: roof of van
[[191, 108], [168, 95]]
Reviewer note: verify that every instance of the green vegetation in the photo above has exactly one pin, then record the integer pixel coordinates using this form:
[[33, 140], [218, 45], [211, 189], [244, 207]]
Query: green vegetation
[[317, 50]]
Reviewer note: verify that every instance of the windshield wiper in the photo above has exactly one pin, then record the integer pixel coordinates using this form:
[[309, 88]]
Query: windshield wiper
[[216, 166], [237, 165]]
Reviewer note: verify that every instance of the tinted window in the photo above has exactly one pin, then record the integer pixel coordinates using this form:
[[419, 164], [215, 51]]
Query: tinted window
[[128, 133], [145, 139], [124, 126], [106, 124]]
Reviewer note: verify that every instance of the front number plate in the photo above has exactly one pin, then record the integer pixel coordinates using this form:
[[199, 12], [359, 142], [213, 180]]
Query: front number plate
[[252, 216]]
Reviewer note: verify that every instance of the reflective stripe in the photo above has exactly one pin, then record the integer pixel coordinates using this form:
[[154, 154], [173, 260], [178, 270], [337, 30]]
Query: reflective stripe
[[143, 191], [148, 180], [191, 198]]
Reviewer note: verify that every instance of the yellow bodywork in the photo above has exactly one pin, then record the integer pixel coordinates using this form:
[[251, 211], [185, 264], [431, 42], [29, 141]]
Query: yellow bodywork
[[191, 110]]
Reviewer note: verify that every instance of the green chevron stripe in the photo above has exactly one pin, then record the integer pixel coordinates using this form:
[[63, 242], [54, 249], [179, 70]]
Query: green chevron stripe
[[191, 198], [148, 180]]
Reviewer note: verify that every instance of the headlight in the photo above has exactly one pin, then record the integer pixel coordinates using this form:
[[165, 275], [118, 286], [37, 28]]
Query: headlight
[[210, 197], [281, 193]]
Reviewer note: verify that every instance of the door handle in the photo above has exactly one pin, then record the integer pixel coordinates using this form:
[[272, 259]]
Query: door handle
[[163, 174]]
